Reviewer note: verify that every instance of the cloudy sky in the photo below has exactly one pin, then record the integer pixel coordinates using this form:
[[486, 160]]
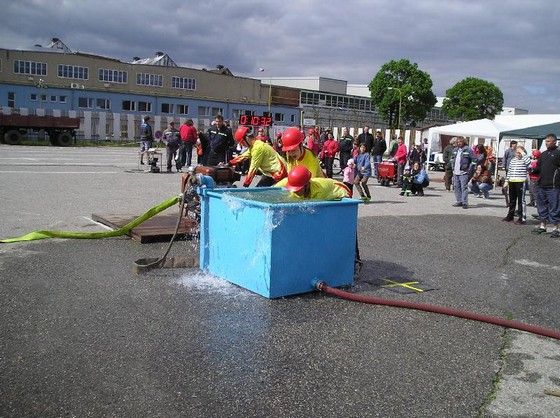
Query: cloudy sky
[[514, 44]]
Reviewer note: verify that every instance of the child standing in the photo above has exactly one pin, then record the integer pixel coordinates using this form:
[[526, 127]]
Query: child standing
[[363, 172], [348, 175], [406, 182]]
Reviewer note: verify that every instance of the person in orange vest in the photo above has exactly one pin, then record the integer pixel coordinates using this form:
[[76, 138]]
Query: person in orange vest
[[263, 159]]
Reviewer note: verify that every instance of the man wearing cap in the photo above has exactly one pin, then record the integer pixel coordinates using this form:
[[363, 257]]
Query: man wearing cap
[[172, 140]]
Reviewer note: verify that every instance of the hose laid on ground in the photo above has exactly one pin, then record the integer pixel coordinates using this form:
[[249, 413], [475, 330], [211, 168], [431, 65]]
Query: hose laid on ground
[[95, 235], [323, 287]]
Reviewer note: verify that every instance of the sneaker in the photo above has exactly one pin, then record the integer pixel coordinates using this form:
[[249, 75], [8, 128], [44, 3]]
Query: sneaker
[[480, 196], [367, 199], [465, 206], [401, 193], [141, 162], [555, 234], [506, 219], [538, 230], [457, 204], [363, 198], [519, 222]]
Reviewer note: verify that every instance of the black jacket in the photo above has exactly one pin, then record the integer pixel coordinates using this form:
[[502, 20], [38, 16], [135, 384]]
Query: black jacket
[[548, 169]]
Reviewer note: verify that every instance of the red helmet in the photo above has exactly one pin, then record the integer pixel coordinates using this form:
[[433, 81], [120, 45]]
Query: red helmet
[[311, 131], [241, 132], [291, 139], [536, 153], [278, 134], [298, 178]]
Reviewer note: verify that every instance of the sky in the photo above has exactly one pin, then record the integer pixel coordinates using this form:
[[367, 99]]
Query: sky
[[514, 44]]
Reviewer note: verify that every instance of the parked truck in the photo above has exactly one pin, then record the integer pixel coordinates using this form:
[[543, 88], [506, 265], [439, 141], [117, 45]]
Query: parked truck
[[61, 130]]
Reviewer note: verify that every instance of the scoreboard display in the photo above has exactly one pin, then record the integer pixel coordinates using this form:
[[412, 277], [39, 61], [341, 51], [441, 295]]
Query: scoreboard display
[[255, 120]]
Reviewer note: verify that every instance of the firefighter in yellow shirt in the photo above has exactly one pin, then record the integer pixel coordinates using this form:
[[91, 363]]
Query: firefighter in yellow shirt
[[297, 154], [303, 186], [264, 159]]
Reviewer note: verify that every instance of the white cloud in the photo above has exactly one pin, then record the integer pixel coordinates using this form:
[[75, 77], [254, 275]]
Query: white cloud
[[513, 45]]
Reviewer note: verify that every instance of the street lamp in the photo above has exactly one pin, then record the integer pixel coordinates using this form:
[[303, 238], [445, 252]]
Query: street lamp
[[41, 86], [400, 102], [262, 70]]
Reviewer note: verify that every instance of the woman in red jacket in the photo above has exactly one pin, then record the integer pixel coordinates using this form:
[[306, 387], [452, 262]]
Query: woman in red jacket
[[400, 157], [330, 148]]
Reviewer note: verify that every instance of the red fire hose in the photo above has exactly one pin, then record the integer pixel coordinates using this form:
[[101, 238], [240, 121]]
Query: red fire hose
[[323, 287]]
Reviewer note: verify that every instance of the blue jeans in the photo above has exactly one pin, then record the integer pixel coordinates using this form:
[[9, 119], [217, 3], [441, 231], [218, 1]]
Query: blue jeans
[[548, 205], [376, 160], [483, 188], [461, 188]]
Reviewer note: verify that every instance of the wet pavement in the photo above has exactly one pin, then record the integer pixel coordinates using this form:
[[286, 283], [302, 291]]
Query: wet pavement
[[82, 335]]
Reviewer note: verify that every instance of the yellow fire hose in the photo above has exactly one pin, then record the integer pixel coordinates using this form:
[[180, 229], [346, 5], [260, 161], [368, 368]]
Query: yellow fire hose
[[95, 235]]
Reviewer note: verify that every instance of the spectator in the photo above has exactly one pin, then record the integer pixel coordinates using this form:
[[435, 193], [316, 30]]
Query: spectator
[[189, 136], [393, 146], [172, 141], [348, 175], [345, 144], [480, 153], [378, 148], [330, 148], [417, 155], [533, 177], [146, 138], [355, 149], [447, 152], [220, 140], [516, 179], [312, 142], [481, 182], [278, 145], [202, 148], [400, 157], [420, 179], [509, 154], [363, 173], [548, 187], [366, 138], [462, 161]]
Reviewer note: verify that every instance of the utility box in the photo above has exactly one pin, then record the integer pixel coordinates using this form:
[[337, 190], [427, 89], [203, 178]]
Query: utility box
[[250, 238]]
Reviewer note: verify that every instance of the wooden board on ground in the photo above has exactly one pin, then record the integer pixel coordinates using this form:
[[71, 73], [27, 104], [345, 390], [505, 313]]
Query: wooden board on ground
[[156, 229]]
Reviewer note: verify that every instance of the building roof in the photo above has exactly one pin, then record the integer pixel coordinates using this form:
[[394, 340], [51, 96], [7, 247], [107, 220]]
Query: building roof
[[161, 59]]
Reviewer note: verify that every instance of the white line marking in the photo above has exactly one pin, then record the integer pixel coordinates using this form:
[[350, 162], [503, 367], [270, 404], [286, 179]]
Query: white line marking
[[525, 262]]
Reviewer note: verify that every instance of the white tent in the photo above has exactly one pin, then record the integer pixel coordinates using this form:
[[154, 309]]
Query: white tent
[[506, 126]]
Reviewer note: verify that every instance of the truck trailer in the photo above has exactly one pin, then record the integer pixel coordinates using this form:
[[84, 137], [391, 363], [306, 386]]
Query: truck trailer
[[61, 130]]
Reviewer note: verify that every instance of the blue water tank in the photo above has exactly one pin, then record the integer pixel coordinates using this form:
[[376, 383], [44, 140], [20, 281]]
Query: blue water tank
[[276, 249]]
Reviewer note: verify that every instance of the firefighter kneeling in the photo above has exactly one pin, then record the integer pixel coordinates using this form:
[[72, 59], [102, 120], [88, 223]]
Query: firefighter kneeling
[[264, 159]]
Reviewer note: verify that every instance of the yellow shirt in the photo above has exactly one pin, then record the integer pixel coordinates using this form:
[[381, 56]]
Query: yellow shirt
[[321, 189], [310, 161], [264, 159]]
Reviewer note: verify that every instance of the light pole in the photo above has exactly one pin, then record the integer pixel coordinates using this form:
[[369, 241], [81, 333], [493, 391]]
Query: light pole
[[400, 103], [41, 86], [269, 89]]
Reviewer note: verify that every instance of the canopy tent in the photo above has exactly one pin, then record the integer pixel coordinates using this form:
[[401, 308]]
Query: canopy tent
[[503, 126]]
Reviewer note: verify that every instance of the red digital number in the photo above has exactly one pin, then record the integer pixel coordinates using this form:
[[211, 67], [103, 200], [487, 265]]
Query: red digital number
[[268, 121], [243, 120], [255, 120]]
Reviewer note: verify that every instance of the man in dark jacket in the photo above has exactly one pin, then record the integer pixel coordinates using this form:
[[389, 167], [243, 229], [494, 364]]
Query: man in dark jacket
[[345, 144], [378, 148], [447, 151], [548, 187], [366, 138], [220, 140], [463, 163]]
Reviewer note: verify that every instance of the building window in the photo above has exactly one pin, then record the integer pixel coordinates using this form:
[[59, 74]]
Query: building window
[[62, 99], [203, 111], [183, 83], [11, 99], [278, 117], [217, 111], [293, 118], [73, 71], [166, 108], [182, 109], [129, 105], [43, 97], [30, 67], [85, 102], [144, 106], [144, 79], [104, 104], [53, 99], [34, 97], [113, 76]]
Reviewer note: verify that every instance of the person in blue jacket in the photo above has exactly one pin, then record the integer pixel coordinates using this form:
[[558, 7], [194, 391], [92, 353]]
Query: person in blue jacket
[[363, 173]]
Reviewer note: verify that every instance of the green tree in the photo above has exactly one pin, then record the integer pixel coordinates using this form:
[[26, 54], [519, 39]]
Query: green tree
[[473, 98], [402, 86]]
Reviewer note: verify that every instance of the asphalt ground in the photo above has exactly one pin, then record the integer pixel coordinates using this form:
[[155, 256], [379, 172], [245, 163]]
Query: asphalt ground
[[82, 335]]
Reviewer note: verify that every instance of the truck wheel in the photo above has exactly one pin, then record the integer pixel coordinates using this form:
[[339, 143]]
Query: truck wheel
[[13, 137], [65, 139]]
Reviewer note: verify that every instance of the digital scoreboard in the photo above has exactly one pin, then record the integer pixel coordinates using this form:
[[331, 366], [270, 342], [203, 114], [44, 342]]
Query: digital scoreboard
[[255, 120]]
